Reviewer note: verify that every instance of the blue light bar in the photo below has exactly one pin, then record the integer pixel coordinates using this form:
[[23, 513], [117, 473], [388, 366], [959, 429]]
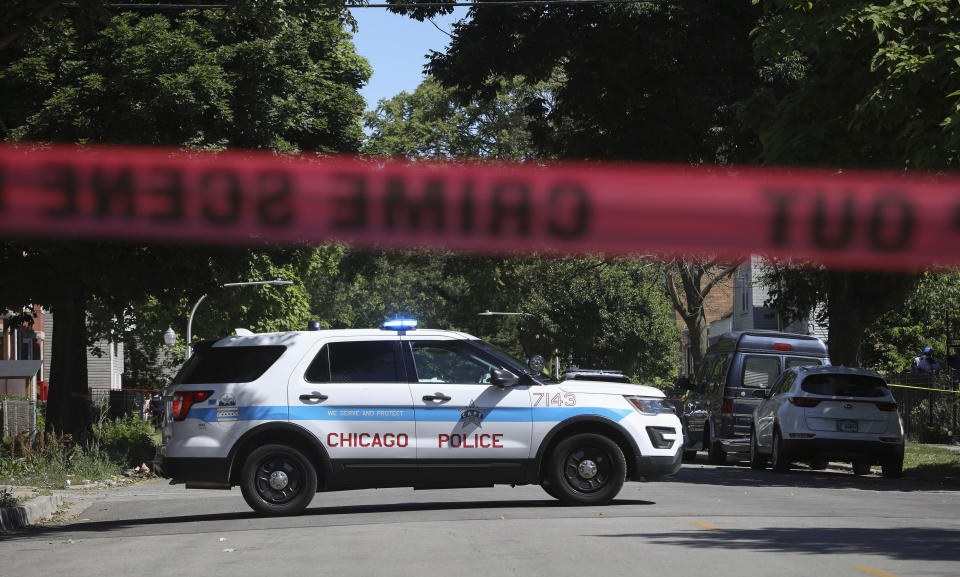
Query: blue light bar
[[400, 324]]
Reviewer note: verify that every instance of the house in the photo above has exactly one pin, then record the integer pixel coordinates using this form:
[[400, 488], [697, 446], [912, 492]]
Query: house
[[750, 312]]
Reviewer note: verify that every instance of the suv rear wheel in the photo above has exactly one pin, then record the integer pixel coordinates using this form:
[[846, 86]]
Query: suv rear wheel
[[893, 467], [779, 460], [278, 480], [586, 469]]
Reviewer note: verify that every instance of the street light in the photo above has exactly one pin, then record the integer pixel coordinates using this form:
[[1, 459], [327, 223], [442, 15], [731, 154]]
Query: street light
[[169, 338], [275, 282]]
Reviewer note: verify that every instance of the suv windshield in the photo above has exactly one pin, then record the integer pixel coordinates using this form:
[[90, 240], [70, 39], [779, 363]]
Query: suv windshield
[[511, 362], [845, 386]]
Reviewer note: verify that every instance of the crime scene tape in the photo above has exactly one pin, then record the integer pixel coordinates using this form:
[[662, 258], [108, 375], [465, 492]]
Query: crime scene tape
[[924, 389], [859, 220]]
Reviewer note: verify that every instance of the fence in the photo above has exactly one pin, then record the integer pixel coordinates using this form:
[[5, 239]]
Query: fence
[[928, 405], [119, 402], [18, 416]]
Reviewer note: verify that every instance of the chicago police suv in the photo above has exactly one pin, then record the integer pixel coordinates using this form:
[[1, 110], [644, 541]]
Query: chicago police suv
[[286, 415]]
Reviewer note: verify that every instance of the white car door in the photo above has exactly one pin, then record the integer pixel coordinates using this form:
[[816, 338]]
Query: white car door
[[467, 428], [766, 413], [352, 393]]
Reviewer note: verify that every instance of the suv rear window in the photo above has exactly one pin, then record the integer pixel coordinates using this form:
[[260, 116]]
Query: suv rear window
[[228, 364], [845, 386]]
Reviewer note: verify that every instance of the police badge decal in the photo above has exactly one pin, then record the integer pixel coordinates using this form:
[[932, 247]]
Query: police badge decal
[[471, 415]]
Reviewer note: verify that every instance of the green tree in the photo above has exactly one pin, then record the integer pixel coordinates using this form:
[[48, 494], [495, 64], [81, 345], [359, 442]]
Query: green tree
[[280, 75], [856, 84], [432, 123]]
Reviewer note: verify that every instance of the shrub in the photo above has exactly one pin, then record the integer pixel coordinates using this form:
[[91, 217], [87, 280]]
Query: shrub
[[127, 441]]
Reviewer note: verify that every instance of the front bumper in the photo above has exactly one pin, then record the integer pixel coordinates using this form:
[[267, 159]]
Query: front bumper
[[652, 468], [842, 450]]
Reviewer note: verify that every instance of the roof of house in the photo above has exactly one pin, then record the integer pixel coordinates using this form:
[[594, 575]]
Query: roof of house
[[19, 369]]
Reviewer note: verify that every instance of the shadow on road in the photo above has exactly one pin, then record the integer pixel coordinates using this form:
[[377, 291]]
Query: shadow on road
[[106, 526], [906, 543], [739, 474]]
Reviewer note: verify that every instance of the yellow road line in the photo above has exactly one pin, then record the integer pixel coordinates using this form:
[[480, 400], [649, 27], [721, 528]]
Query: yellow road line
[[707, 526], [875, 572]]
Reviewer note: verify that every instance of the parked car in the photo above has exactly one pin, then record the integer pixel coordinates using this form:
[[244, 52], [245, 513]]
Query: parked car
[[820, 414], [719, 407]]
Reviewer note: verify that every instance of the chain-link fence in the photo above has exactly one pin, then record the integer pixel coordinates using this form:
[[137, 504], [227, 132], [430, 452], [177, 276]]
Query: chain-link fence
[[18, 417], [928, 405]]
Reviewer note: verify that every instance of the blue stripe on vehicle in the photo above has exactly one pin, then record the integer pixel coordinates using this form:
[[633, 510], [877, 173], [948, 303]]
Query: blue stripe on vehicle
[[426, 414]]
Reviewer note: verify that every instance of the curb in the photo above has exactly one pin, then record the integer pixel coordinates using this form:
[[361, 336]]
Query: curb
[[29, 513]]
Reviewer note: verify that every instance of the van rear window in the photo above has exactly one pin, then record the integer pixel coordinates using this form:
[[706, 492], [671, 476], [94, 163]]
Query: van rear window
[[760, 372], [228, 365], [845, 386]]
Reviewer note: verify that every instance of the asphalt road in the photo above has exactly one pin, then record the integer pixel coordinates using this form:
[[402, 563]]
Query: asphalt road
[[706, 520]]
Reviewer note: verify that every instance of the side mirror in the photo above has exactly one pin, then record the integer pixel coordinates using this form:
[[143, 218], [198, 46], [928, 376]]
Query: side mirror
[[503, 378], [761, 394]]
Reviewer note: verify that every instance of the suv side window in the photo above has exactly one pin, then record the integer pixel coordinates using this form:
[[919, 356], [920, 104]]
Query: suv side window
[[760, 372], [356, 362], [719, 377], [449, 362]]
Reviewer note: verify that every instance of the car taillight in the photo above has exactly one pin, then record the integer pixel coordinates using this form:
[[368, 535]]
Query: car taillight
[[183, 400], [883, 406], [804, 401], [727, 407]]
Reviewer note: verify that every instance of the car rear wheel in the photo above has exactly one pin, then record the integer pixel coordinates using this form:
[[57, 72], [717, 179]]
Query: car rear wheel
[[819, 464], [586, 469], [757, 461], [861, 468], [779, 460], [715, 452], [278, 480], [893, 468]]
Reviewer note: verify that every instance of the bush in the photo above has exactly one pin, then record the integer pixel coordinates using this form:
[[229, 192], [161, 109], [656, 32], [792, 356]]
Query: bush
[[127, 441]]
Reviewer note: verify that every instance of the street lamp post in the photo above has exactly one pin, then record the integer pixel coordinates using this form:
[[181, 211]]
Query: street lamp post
[[275, 282], [170, 338]]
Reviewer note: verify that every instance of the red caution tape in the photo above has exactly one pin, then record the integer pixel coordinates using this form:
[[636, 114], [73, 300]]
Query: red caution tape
[[862, 220]]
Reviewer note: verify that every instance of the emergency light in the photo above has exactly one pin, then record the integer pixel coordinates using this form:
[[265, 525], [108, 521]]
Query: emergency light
[[399, 324]]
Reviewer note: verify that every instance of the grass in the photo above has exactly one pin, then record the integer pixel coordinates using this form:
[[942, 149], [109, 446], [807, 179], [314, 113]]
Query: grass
[[931, 462]]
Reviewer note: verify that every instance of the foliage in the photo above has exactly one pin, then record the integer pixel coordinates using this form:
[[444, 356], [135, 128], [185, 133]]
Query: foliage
[[277, 74], [49, 460], [430, 123], [128, 441], [860, 84], [595, 312], [653, 81], [900, 335]]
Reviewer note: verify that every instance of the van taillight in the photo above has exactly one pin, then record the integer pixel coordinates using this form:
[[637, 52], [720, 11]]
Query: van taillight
[[183, 400], [727, 407], [887, 406], [804, 401], [781, 347]]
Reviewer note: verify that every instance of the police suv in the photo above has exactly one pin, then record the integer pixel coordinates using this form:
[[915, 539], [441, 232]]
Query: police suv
[[285, 415]]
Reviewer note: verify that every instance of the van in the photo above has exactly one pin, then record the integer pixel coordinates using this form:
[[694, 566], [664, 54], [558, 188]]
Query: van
[[718, 407]]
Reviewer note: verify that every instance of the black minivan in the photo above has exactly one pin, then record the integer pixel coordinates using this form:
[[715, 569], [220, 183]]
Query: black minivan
[[718, 408]]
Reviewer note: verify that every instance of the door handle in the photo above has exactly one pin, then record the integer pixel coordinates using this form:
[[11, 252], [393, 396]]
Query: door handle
[[314, 396], [436, 397]]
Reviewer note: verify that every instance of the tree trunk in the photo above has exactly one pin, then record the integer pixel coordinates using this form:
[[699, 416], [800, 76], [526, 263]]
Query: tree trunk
[[855, 300], [68, 406], [699, 339]]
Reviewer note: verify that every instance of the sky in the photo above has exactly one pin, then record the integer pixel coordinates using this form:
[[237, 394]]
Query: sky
[[396, 47]]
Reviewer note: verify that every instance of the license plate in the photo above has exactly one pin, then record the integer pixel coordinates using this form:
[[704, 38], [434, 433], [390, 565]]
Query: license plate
[[847, 426]]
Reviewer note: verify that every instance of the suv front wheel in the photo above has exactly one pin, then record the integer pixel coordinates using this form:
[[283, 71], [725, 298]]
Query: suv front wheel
[[278, 480], [586, 469]]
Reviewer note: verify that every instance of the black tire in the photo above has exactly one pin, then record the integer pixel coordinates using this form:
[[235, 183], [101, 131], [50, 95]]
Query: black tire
[[278, 480], [757, 461], [819, 464], [689, 456], [893, 467], [779, 459], [586, 469], [861, 468], [715, 452]]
